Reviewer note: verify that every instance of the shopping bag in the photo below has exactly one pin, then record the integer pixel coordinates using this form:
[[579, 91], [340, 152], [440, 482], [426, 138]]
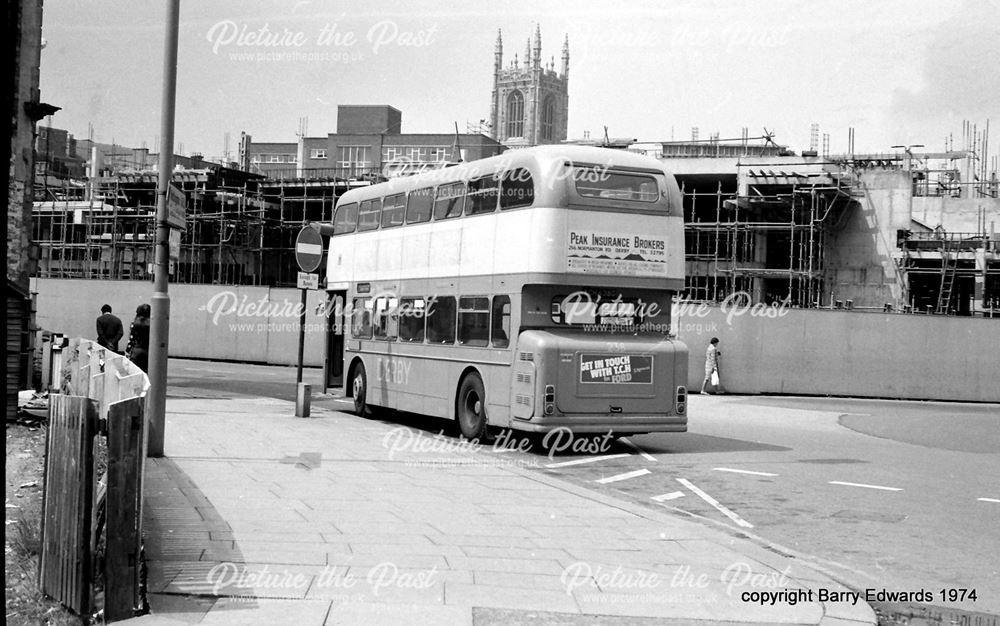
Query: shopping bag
[[715, 378]]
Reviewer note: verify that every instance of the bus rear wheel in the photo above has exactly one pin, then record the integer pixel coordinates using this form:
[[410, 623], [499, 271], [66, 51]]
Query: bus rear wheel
[[359, 389], [472, 408]]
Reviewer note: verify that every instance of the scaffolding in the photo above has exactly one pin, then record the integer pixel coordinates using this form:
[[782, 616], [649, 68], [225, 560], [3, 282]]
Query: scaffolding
[[241, 227], [760, 234]]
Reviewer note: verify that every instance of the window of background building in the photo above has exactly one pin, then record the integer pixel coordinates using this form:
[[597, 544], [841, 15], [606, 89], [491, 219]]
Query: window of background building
[[317, 153], [548, 118], [515, 115], [354, 159]]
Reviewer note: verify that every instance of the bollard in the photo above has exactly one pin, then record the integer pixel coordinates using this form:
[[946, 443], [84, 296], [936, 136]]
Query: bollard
[[55, 370], [302, 400]]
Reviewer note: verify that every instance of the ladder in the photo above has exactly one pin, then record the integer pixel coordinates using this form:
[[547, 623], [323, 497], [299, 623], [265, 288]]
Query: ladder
[[949, 267]]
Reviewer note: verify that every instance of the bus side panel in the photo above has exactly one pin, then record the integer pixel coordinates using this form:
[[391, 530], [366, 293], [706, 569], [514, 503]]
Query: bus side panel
[[445, 248], [496, 378]]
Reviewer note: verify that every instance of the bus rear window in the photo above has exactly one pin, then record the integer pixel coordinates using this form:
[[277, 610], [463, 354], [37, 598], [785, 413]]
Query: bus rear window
[[368, 214], [449, 201], [346, 219], [585, 308], [598, 182]]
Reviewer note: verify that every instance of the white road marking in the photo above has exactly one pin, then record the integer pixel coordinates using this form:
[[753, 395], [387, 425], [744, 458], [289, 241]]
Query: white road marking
[[642, 453], [739, 471], [987, 499], [589, 459], [837, 482], [707, 498], [673, 495], [625, 476]]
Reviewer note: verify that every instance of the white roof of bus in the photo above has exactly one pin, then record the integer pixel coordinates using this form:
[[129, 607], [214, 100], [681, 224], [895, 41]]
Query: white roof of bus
[[540, 156]]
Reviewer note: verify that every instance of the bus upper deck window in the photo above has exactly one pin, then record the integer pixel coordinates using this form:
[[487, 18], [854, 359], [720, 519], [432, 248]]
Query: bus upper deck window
[[419, 204], [449, 201], [517, 189], [482, 195], [392, 210], [368, 214], [346, 219]]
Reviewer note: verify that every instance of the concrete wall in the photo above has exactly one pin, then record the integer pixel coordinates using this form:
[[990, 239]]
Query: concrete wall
[[956, 215], [766, 350], [816, 352], [254, 324]]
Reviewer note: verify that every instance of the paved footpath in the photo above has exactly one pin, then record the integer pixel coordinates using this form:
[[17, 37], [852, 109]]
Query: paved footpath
[[257, 517]]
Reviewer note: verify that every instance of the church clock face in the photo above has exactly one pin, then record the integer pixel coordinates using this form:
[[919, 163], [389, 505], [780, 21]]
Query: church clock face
[[530, 97]]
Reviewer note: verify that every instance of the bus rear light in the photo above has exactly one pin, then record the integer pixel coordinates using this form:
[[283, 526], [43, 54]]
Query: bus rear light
[[550, 399], [682, 400]]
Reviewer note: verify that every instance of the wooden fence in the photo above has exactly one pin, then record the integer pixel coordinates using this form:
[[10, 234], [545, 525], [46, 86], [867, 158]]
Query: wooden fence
[[101, 394]]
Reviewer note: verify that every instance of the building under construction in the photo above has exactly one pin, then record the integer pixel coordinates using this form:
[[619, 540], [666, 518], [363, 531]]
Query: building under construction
[[899, 231], [241, 227]]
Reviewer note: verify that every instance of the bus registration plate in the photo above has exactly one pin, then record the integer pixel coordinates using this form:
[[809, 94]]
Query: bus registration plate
[[616, 368]]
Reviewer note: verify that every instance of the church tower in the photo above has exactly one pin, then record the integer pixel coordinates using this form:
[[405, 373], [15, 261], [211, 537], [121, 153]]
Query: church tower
[[530, 98]]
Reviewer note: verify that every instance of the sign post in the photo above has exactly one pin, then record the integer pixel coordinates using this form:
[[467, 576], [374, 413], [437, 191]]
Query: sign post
[[308, 255], [168, 205]]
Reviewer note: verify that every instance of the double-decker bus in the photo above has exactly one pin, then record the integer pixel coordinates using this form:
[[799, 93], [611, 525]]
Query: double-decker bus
[[531, 290]]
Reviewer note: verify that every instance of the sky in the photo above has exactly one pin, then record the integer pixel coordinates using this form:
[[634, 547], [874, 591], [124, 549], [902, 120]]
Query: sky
[[898, 72]]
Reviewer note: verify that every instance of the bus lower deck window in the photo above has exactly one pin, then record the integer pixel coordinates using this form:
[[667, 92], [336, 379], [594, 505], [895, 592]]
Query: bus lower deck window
[[411, 319], [361, 323], [473, 321], [441, 320]]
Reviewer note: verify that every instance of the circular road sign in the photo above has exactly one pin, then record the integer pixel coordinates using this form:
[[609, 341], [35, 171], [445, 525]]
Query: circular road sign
[[308, 249]]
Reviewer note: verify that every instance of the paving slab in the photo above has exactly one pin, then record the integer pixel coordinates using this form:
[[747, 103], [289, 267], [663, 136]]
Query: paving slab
[[321, 521]]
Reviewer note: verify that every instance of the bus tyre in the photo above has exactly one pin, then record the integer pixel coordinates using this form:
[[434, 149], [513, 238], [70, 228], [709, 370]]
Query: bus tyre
[[472, 408], [359, 388]]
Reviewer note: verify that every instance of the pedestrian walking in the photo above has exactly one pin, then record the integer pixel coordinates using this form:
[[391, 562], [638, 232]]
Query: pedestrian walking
[[109, 329], [712, 373], [138, 338]]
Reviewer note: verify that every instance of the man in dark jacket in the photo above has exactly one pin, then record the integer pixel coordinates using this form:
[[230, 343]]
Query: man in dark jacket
[[109, 329]]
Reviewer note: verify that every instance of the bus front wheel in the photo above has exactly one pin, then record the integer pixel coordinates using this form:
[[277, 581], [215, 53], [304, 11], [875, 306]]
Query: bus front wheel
[[472, 408], [359, 389]]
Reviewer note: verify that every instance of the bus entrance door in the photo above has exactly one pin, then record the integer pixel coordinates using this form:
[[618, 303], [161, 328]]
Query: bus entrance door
[[333, 366]]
